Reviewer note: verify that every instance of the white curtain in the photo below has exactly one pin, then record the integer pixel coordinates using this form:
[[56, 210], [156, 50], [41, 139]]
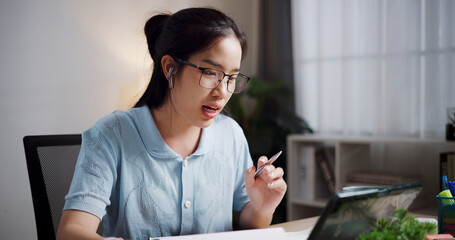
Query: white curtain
[[374, 67]]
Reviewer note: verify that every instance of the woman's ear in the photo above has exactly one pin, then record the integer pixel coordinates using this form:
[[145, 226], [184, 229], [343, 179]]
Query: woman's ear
[[168, 65]]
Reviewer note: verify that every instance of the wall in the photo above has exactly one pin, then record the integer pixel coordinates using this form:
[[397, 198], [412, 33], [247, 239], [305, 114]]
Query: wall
[[65, 64]]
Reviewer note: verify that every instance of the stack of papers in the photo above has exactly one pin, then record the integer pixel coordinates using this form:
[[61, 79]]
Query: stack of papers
[[265, 234]]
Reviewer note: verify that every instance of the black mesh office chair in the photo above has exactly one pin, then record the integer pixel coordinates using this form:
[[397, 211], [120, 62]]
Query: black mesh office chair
[[50, 161]]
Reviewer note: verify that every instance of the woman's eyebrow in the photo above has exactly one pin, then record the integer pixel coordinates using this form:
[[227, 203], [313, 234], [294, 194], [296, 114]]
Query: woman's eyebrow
[[213, 63]]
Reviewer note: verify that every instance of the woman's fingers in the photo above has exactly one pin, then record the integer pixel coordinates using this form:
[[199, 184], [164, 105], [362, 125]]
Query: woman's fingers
[[271, 174], [249, 176], [278, 185], [262, 160]]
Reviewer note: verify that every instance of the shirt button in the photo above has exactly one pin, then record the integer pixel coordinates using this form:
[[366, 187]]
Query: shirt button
[[187, 204], [185, 163]]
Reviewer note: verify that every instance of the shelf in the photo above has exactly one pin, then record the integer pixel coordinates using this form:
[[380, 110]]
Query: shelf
[[307, 190]]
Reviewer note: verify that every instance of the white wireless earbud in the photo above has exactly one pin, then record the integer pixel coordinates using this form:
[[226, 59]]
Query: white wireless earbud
[[169, 76]]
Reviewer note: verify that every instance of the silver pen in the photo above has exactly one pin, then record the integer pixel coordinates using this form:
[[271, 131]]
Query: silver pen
[[269, 162]]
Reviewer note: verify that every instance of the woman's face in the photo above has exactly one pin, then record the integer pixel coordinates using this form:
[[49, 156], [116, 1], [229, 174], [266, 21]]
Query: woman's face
[[198, 106]]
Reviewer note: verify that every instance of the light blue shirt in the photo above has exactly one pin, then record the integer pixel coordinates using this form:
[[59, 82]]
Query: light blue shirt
[[127, 174]]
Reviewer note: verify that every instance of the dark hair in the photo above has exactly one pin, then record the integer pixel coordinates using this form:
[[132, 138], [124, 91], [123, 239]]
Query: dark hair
[[180, 35]]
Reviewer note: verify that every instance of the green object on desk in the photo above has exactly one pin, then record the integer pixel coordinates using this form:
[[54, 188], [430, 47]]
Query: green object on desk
[[400, 225], [447, 197]]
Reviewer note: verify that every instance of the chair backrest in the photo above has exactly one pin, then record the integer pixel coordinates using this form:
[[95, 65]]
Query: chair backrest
[[50, 162]]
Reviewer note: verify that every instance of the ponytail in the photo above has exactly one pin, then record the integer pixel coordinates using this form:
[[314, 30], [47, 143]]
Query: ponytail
[[153, 28]]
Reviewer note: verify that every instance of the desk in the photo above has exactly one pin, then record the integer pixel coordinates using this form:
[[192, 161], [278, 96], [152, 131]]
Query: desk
[[297, 225]]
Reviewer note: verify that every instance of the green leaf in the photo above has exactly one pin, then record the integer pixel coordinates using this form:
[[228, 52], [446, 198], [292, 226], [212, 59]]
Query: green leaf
[[400, 225]]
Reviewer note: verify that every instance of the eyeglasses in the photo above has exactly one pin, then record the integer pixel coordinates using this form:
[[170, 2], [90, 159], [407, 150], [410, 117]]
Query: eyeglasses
[[211, 78]]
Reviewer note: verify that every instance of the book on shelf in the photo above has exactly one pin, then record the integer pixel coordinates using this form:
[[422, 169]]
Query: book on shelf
[[316, 172], [306, 171], [325, 161], [378, 178], [446, 167]]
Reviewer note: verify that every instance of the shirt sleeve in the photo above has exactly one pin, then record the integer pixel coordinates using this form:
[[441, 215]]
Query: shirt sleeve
[[93, 177], [244, 162]]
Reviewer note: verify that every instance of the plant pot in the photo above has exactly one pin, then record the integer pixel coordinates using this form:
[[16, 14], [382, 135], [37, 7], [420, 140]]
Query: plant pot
[[450, 132]]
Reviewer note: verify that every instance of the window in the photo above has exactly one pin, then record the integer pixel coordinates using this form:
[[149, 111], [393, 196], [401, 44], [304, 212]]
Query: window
[[374, 67]]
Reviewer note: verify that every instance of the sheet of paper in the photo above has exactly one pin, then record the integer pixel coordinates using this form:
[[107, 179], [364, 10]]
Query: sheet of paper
[[264, 234], [300, 235]]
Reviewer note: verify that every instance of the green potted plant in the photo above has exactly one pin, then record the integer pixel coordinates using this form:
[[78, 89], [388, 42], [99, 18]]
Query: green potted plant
[[263, 112], [400, 225]]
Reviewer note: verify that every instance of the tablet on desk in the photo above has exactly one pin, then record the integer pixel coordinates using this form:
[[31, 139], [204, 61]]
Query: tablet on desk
[[348, 214]]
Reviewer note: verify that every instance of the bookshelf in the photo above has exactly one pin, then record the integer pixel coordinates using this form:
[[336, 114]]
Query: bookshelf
[[401, 157]]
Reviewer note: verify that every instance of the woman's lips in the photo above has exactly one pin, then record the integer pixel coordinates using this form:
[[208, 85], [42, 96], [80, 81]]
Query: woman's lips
[[210, 111]]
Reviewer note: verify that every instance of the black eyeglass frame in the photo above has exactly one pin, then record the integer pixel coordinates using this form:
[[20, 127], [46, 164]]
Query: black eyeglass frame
[[202, 69]]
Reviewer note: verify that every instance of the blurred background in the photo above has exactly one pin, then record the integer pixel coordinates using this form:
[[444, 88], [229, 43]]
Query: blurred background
[[345, 67]]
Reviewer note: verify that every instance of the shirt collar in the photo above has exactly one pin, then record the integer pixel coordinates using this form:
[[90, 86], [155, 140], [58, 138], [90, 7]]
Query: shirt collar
[[154, 142]]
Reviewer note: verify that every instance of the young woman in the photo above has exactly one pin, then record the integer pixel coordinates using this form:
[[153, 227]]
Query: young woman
[[173, 165]]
